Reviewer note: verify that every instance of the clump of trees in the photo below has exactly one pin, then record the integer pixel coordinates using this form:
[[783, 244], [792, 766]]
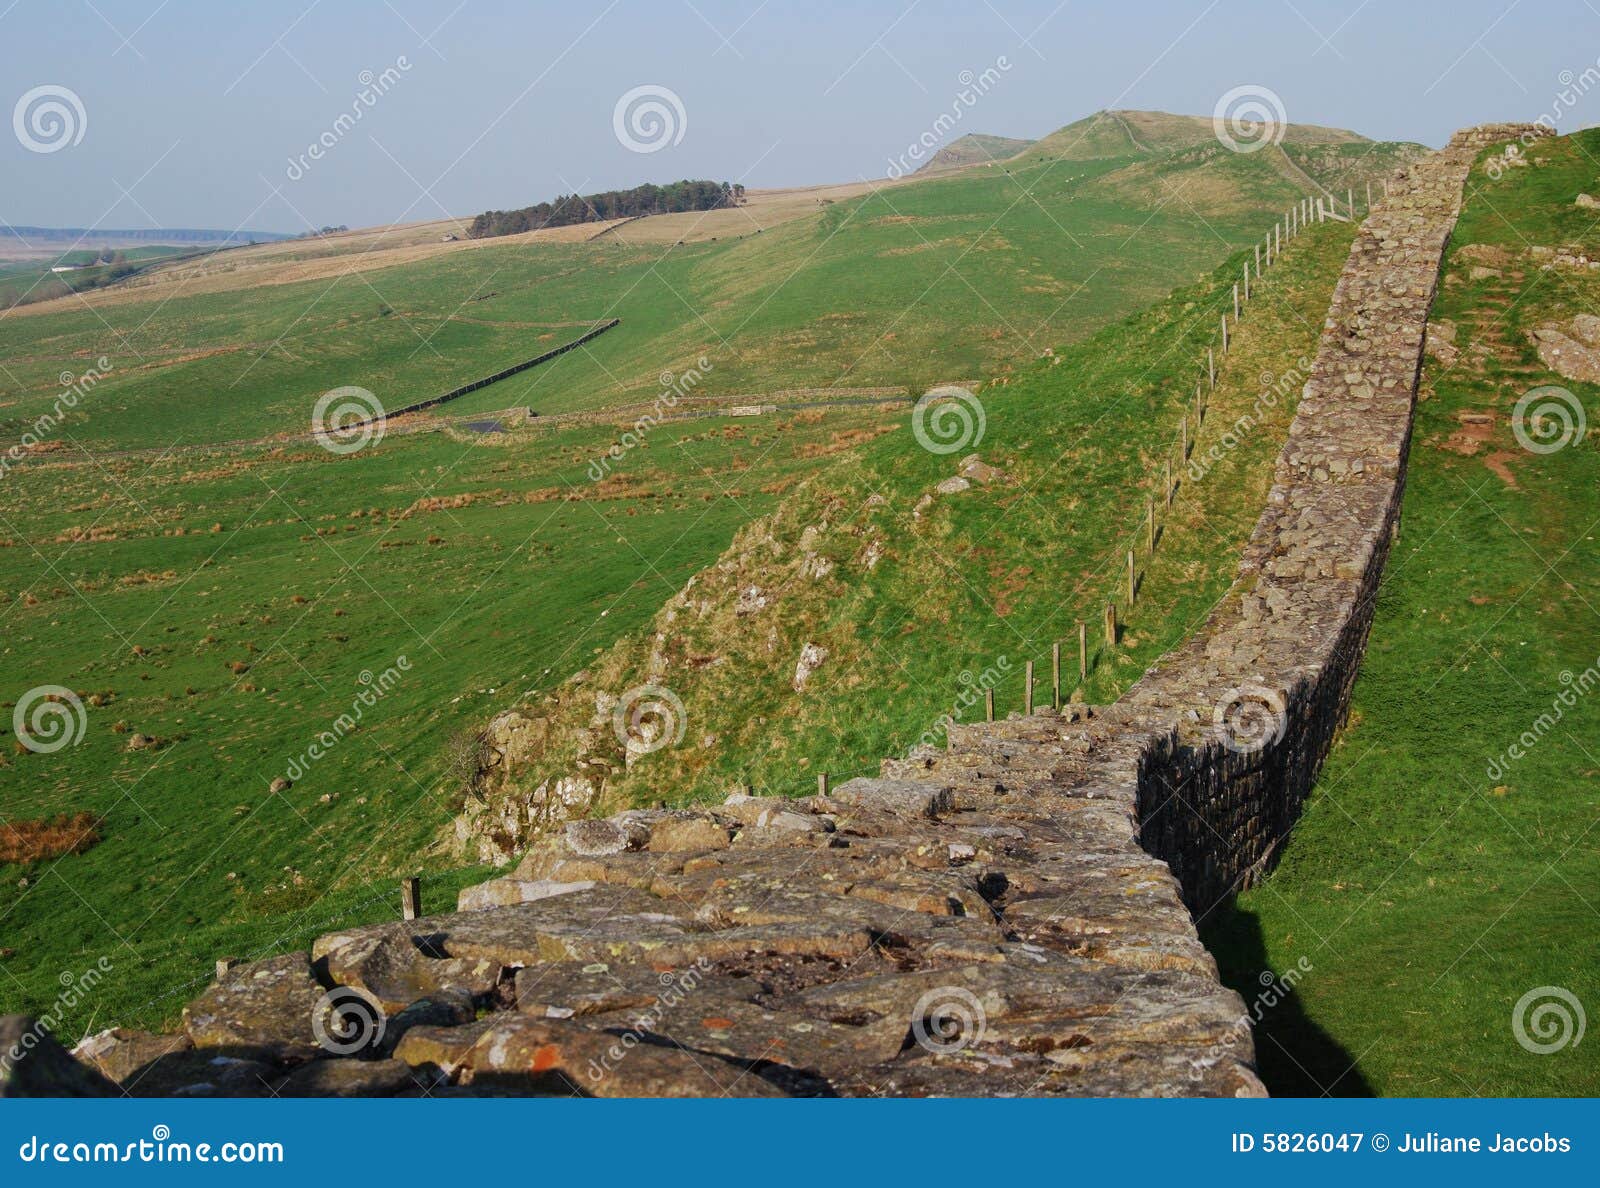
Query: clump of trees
[[673, 198]]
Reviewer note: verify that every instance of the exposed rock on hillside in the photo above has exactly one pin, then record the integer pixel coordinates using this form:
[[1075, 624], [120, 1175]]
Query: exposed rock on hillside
[[1576, 357]]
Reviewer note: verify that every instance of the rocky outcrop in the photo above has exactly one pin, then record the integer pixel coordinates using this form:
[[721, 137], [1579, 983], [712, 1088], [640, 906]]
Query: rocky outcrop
[[1009, 915]]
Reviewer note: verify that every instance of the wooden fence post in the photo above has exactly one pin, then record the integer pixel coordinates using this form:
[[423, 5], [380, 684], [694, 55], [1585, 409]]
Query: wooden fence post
[[1133, 578], [1258, 260], [224, 964], [1183, 436], [1350, 201], [1225, 331], [988, 705], [1246, 284], [1055, 675], [1235, 310], [1167, 465], [1211, 368], [1111, 624], [1083, 651], [1150, 522], [1369, 197], [822, 783], [1027, 689], [410, 898]]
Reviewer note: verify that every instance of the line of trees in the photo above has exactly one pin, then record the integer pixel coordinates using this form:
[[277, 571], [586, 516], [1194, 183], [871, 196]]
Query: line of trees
[[673, 198]]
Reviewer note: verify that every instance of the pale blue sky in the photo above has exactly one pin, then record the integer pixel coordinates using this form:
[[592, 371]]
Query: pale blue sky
[[194, 108]]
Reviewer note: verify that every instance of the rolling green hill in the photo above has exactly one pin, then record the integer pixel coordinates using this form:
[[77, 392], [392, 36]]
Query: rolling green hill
[[975, 148], [956, 277], [214, 586]]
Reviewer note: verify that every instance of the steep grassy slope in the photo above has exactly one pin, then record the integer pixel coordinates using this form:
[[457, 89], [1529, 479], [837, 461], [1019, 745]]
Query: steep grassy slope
[[1446, 869], [902, 599]]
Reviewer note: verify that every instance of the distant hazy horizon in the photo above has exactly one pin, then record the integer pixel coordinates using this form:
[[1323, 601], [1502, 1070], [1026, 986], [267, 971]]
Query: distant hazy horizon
[[287, 118]]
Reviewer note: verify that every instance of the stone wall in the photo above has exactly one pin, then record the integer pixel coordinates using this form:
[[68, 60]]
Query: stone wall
[[1249, 706], [1013, 914]]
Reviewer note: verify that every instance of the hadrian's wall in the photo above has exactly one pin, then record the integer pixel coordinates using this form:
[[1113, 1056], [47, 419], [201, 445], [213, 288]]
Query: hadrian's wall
[[1254, 699], [1013, 914]]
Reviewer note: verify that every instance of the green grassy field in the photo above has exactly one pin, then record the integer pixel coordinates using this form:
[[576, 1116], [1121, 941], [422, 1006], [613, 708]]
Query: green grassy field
[[226, 606], [916, 604], [947, 279], [216, 605], [1436, 879], [33, 280]]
